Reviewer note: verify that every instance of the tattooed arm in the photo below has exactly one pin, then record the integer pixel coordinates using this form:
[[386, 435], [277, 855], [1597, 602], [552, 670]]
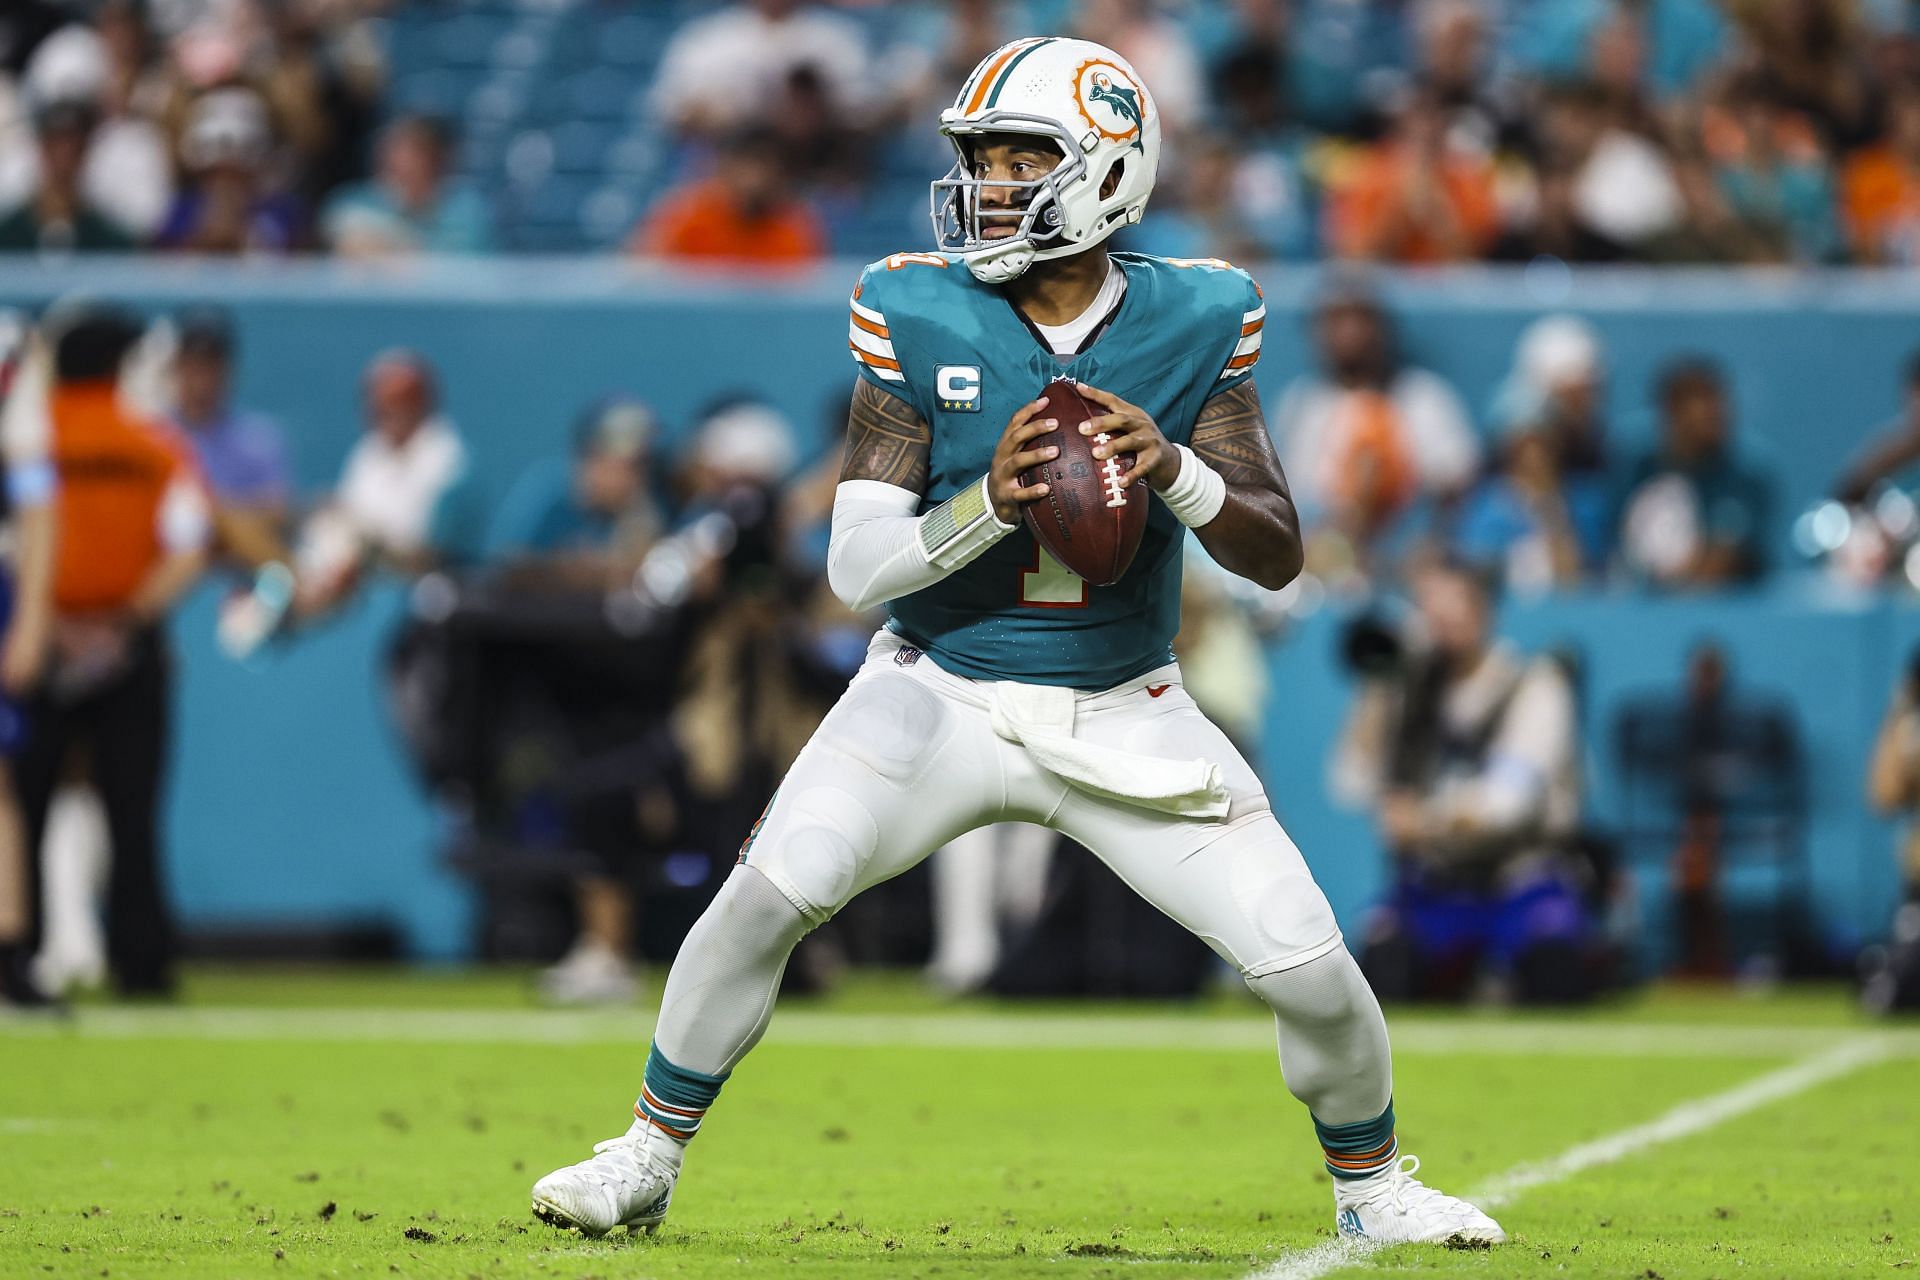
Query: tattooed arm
[[881, 550], [1256, 532], [886, 440]]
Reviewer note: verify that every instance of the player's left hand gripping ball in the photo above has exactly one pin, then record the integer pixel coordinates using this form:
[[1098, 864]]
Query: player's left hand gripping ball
[[1131, 430], [1086, 518]]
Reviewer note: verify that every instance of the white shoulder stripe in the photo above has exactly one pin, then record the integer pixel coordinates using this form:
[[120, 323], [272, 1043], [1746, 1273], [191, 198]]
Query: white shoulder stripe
[[1258, 313], [868, 312], [1248, 345], [887, 375], [869, 342]]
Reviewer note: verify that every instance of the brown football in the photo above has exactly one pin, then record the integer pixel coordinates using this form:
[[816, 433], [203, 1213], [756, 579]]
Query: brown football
[[1089, 523]]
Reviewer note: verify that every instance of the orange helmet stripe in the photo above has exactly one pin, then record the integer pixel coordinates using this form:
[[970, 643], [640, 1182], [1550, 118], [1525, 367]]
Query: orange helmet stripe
[[999, 64]]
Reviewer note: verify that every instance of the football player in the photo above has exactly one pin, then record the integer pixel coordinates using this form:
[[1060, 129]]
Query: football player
[[1005, 688]]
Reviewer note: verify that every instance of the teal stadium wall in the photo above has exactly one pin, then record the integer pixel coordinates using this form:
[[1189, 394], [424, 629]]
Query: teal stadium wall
[[291, 799]]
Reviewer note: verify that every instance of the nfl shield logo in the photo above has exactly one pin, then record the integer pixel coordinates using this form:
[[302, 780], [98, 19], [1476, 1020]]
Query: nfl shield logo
[[907, 656]]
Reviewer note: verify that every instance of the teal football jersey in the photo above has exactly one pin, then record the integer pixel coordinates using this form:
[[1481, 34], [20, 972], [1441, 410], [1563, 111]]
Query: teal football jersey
[[924, 329]]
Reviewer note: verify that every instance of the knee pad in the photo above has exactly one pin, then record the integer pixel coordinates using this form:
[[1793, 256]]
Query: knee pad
[[892, 724], [816, 855], [1288, 919]]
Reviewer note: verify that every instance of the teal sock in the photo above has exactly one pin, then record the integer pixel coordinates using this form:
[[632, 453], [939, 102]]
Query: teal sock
[[673, 1099], [1360, 1149]]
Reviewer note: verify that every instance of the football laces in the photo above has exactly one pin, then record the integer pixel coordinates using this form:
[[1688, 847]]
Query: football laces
[[1110, 474]]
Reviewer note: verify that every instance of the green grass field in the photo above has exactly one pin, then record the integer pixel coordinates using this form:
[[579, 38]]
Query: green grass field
[[390, 1124]]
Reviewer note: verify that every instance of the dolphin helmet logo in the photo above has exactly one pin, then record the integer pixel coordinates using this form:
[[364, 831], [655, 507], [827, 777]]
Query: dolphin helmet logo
[[1107, 85]]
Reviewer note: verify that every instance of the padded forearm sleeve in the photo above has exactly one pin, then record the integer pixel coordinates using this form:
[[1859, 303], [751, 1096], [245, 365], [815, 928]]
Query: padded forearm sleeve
[[881, 551]]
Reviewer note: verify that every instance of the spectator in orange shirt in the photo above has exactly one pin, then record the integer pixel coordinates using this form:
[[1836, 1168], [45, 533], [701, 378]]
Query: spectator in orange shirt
[[1881, 187], [744, 213], [132, 524], [1415, 197]]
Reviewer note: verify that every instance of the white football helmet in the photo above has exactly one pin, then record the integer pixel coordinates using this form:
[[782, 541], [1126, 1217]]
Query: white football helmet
[[1086, 100]]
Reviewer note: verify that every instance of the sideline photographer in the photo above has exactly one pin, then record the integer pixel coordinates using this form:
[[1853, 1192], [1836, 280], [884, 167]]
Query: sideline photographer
[[1467, 753]]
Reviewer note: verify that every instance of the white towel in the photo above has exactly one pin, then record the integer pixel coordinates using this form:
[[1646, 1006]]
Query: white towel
[[1040, 718]]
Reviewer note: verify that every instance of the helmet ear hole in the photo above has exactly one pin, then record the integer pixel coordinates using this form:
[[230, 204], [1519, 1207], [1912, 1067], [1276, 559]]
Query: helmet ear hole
[[1111, 183]]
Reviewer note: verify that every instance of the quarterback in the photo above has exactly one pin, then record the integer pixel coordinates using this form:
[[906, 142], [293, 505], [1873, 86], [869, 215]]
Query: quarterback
[[1003, 687]]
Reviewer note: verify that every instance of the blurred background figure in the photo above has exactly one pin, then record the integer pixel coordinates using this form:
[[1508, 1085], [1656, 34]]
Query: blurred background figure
[[1881, 186], [1367, 435], [228, 204], [586, 521], [1621, 180], [583, 525], [1467, 754], [1715, 784], [1557, 388], [1892, 454], [1539, 519], [401, 502], [242, 453], [987, 885], [746, 214], [727, 69], [26, 623], [107, 152], [132, 529], [58, 217], [1226, 203], [1773, 174], [1419, 196], [1555, 226], [1158, 46], [1695, 512], [412, 204]]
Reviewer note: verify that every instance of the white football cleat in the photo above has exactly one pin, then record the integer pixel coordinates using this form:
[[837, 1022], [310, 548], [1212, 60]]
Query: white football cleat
[[628, 1183], [1394, 1207]]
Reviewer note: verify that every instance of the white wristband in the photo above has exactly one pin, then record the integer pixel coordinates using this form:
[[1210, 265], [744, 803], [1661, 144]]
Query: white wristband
[[1197, 493], [960, 528]]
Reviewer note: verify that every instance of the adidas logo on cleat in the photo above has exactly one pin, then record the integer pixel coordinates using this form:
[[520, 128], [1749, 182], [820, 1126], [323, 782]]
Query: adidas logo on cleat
[[1349, 1223]]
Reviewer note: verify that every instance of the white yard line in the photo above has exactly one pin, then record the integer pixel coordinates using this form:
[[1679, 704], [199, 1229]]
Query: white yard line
[[1683, 1121], [28, 1124], [1253, 1033]]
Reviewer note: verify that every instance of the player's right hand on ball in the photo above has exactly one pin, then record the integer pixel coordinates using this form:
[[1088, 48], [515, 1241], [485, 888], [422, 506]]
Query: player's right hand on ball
[[1016, 453]]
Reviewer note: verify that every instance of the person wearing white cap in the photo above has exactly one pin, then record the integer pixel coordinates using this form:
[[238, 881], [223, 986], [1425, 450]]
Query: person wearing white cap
[[227, 205], [125, 171], [1556, 384], [1539, 519]]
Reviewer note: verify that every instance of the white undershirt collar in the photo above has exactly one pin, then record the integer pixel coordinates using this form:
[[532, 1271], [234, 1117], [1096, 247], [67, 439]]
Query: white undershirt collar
[[1065, 339]]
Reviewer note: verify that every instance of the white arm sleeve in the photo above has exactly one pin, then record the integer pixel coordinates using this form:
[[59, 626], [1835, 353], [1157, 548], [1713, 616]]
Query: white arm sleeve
[[881, 551]]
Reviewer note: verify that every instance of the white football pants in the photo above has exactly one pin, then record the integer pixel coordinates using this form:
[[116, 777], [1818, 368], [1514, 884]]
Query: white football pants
[[908, 760]]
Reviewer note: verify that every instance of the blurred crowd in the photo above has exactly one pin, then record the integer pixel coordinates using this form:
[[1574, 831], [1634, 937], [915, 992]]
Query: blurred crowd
[[1387, 465], [1398, 131]]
